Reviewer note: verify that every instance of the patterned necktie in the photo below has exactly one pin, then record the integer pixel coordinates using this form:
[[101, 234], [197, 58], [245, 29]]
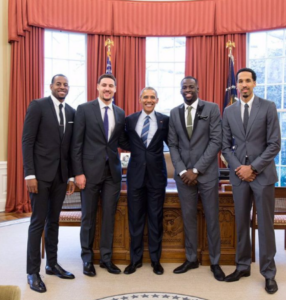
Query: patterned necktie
[[189, 122], [62, 127], [105, 122], [245, 117], [145, 130]]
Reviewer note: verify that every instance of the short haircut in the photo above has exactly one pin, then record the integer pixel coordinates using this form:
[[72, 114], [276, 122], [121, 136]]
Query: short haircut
[[106, 76], [246, 70], [61, 75], [189, 77], [148, 88]]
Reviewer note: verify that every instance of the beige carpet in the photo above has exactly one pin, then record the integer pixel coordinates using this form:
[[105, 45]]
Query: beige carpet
[[197, 283]]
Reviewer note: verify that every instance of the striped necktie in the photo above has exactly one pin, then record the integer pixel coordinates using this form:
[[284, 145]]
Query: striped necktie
[[145, 130], [189, 122]]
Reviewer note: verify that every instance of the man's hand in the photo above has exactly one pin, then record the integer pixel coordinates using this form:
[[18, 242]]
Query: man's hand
[[32, 185], [245, 173], [189, 177], [80, 181], [70, 189]]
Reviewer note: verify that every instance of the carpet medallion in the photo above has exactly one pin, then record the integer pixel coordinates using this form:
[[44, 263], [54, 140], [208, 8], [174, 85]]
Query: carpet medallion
[[153, 296]]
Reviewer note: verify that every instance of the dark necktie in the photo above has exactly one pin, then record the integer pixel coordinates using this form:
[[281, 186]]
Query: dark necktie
[[245, 117], [105, 122], [145, 130], [62, 127]]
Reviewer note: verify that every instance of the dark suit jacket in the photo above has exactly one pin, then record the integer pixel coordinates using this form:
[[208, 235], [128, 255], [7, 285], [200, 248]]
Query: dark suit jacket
[[261, 141], [90, 146], [43, 148], [201, 150], [150, 159]]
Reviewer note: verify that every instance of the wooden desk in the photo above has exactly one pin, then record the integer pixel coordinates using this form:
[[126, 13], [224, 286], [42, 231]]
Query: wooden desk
[[173, 236]]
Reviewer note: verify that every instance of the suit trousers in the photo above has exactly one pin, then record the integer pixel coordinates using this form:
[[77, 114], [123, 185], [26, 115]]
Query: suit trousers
[[188, 196], [145, 201], [109, 193], [264, 197], [46, 208]]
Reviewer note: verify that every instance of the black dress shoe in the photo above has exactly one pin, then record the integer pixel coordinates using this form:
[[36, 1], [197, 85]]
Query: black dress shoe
[[59, 271], [218, 272], [187, 265], [88, 269], [132, 267], [157, 268], [271, 286], [111, 268], [36, 283], [236, 275]]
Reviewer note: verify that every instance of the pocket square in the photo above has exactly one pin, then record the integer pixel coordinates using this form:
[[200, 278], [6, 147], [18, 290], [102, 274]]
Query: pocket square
[[70, 122], [200, 117]]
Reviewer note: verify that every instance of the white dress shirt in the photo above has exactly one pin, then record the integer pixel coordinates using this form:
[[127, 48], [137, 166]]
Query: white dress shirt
[[152, 128], [110, 112]]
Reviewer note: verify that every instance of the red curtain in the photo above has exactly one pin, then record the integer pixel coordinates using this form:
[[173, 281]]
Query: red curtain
[[207, 60], [26, 83], [128, 66], [139, 18]]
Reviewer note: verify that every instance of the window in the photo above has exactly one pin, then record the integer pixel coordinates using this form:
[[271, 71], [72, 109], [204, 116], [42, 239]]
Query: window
[[165, 68], [65, 53], [267, 56]]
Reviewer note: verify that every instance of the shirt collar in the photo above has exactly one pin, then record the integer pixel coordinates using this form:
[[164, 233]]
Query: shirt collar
[[249, 102], [57, 102], [194, 105], [151, 115], [103, 105]]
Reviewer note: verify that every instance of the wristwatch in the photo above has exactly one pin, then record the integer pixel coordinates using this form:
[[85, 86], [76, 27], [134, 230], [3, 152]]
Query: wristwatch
[[195, 171]]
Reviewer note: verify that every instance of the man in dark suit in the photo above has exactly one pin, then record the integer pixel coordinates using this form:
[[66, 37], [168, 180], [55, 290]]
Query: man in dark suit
[[194, 142], [146, 179], [46, 154], [98, 131], [251, 141]]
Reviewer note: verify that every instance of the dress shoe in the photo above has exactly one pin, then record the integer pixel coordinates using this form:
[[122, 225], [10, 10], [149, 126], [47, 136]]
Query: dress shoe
[[271, 286], [36, 283], [132, 267], [218, 272], [111, 268], [236, 275], [88, 269], [59, 271], [157, 268], [187, 265]]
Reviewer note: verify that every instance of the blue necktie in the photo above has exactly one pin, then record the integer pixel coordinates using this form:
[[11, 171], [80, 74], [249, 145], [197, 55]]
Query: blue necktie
[[105, 122], [145, 130]]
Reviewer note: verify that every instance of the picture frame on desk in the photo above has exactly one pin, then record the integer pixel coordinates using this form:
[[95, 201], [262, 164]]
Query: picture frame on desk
[[124, 158]]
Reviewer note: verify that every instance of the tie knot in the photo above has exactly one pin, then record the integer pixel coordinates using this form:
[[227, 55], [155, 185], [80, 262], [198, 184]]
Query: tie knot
[[189, 108], [106, 107], [246, 105], [147, 117], [61, 106]]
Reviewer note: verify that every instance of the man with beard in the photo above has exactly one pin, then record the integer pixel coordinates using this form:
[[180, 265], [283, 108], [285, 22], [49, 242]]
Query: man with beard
[[194, 142], [46, 143], [98, 131], [251, 141]]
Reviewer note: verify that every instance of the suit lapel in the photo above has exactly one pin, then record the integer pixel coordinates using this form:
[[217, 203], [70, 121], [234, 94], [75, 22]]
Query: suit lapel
[[182, 118], [53, 110], [200, 108], [98, 116], [237, 117], [116, 120], [253, 113], [159, 127]]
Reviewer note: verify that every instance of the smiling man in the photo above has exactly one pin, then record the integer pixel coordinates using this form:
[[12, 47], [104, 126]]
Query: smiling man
[[146, 179], [194, 142], [47, 165], [98, 132], [251, 141]]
